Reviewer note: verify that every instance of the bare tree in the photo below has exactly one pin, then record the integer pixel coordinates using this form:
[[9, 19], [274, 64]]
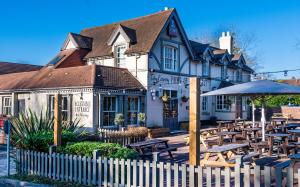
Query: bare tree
[[245, 43]]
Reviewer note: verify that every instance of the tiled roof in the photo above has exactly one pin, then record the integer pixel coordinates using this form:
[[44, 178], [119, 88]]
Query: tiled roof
[[9, 67], [147, 29], [198, 48], [93, 76]]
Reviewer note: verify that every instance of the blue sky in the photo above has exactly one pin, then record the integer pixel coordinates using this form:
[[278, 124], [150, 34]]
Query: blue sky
[[32, 31]]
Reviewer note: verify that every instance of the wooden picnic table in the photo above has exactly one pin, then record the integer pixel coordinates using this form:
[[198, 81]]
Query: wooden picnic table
[[231, 134], [292, 126], [225, 155], [152, 147], [249, 131], [294, 158], [295, 133], [225, 124], [284, 142]]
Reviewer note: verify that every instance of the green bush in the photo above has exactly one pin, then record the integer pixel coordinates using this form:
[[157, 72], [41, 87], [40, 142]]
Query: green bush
[[106, 150], [42, 140]]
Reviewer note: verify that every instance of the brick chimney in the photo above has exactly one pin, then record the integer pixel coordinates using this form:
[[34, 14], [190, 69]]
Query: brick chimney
[[226, 42]]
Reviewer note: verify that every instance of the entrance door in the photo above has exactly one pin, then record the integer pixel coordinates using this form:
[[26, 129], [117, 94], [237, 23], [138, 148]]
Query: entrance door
[[170, 114]]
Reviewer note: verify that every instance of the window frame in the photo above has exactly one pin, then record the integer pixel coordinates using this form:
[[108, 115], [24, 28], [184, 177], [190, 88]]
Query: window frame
[[136, 110], [173, 58], [51, 106], [7, 109], [205, 66], [204, 104], [220, 103], [119, 56], [109, 111]]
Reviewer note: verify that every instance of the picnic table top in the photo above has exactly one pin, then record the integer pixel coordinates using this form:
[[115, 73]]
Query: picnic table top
[[294, 156], [223, 148], [224, 121], [148, 142], [251, 129], [294, 131], [208, 129], [279, 119], [223, 133], [278, 135], [291, 125]]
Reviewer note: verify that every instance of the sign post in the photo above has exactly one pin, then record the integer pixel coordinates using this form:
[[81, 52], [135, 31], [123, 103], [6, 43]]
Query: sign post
[[57, 120], [194, 122], [7, 132]]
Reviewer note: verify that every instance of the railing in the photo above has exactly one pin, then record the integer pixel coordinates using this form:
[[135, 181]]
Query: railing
[[114, 172], [115, 136]]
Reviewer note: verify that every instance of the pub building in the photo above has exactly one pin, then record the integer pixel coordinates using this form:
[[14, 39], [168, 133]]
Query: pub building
[[135, 66]]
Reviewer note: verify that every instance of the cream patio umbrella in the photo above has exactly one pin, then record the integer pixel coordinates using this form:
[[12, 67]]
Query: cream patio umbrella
[[257, 89]]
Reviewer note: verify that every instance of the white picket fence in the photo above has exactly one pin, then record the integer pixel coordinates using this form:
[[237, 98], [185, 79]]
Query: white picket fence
[[100, 171]]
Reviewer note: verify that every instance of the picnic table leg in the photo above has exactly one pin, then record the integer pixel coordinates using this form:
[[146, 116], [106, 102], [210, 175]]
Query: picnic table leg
[[270, 142], [170, 153], [285, 145]]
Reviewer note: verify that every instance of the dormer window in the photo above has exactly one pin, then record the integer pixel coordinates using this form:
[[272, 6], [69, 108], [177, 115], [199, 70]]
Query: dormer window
[[170, 58], [120, 55]]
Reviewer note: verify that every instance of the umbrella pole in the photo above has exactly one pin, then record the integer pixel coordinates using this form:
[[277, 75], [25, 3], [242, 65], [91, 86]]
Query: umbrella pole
[[263, 118], [253, 113]]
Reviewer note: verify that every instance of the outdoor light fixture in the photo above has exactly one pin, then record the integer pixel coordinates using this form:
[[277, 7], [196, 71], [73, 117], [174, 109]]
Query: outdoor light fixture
[[285, 73], [81, 96]]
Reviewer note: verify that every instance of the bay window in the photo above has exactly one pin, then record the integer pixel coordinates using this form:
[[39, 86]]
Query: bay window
[[6, 105], [223, 103], [170, 58], [109, 110]]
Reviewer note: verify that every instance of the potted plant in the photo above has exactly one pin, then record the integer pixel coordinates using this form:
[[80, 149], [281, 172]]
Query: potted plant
[[119, 120], [165, 98], [184, 99], [142, 118]]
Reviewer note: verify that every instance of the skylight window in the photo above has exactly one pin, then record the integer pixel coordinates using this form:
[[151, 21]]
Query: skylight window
[[55, 60]]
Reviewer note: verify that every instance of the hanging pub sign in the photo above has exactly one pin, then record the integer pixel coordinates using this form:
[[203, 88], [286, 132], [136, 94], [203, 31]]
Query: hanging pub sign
[[172, 30]]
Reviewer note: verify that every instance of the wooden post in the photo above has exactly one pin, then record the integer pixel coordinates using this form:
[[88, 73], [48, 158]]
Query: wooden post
[[57, 120], [194, 121]]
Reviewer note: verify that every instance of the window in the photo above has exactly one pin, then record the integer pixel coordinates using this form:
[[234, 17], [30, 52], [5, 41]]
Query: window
[[120, 54], [223, 103], [205, 68], [65, 107], [6, 109], [171, 93], [109, 111], [223, 72], [204, 103], [133, 108], [238, 76], [170, 58]]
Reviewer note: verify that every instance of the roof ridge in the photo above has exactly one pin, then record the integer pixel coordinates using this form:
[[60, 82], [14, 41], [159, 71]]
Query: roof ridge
[[131, 19], [20, 63]]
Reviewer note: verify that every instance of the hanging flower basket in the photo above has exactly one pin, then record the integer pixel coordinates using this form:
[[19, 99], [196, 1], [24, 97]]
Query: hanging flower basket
[[165, 98], [184, 99]]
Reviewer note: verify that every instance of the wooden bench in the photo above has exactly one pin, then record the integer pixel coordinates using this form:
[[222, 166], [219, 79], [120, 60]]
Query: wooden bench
[[246, 158]]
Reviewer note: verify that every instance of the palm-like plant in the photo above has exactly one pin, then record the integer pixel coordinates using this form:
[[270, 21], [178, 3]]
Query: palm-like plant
[[30, 123]]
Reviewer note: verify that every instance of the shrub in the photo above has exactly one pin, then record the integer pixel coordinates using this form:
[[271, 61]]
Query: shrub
[[35, 131], [42, 140], [106, 149]]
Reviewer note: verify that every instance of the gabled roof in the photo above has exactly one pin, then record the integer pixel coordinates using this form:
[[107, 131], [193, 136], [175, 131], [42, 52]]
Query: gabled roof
[[79, 41], [127, 33], [68, 58], [10, 67], [93, 76]]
